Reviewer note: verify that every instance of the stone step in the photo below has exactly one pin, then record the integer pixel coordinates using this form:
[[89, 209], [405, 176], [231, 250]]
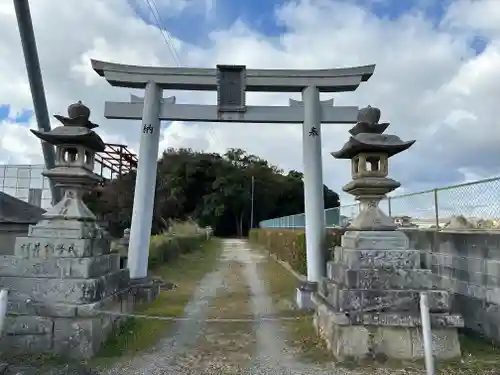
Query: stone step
[[42, 247], [394, 319], [373, 258], [375, 240], [62, 268], [358, 300], [381, 278], [69, 291], [64, 229]]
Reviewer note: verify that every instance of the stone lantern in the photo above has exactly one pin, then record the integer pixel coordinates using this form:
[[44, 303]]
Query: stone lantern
[[368, 303], [76, 145], [63, 273], [369, 151]]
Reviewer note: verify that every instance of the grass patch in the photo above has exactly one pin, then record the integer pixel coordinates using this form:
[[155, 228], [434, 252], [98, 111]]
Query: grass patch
[[478, 357], [138, 334]]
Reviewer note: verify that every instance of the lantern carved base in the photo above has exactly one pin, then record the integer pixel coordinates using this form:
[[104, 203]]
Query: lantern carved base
[[59, 279], [368, 304], [395, 336]]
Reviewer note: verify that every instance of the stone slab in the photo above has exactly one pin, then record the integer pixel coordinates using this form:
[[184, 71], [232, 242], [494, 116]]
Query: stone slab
[[119, 302], [392, 319], [79, 338], [354, 258], [21, 370], [40, 247], [303, 299], [375, 240], [41, 309], [395, 342], [381, 278], [23, 344], [357, 300], [79, 268], [28, 325], [65, 229], [77, 291]]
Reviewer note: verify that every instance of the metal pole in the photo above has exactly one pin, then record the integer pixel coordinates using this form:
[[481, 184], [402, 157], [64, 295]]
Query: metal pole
[[36, 84], [426, 333], [251, 207], [436, 210], [3, 308]]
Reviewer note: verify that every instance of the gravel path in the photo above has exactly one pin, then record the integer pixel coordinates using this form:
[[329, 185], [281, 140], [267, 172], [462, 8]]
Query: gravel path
[[185, 351]]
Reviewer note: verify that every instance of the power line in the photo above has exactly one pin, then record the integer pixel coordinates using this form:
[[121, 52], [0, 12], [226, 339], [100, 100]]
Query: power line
[[153, 8], [166, 35]]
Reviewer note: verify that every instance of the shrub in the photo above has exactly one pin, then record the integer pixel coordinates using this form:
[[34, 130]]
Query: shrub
[[289, 245], [182, 237]]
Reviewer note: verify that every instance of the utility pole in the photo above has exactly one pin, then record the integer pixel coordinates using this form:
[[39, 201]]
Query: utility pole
[[251, 207], [32, 62]]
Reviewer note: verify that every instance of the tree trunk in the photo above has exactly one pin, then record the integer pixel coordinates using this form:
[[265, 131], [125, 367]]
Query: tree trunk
[[237, 225], [241, 225]]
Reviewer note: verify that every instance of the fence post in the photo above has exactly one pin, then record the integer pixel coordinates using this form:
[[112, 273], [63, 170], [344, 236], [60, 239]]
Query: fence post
[[436, 209], [426, 333], [389, 207]]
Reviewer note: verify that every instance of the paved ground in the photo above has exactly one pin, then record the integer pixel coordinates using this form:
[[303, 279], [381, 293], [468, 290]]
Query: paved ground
[[196, 347]]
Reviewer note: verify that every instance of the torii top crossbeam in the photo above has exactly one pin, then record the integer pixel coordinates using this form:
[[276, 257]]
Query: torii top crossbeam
[[269, 80]]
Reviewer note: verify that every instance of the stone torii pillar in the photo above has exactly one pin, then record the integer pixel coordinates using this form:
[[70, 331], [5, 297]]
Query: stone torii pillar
[[231, 83], [313, 181], [145, 183]]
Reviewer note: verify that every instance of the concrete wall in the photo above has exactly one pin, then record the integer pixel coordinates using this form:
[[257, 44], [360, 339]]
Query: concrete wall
[[8, 234], [468, 263]]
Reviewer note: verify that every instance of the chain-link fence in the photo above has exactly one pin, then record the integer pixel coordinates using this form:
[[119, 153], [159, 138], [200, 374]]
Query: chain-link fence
[[477, 202], [26, 182]]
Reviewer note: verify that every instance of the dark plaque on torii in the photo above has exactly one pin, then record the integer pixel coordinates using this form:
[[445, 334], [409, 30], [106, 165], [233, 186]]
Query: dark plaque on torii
[[231, 84]]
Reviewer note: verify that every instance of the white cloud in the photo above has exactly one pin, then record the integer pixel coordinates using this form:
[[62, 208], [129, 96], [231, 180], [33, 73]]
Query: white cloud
[[428, 81]]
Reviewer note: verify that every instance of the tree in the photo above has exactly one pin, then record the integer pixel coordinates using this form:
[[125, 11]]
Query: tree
[[212, 189]]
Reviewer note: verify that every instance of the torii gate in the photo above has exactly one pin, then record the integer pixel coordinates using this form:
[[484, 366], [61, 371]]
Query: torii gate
[[231, 82]]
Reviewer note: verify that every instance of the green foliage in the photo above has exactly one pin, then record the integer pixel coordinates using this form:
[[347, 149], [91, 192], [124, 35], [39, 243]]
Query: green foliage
[[289, 245], [165, 248], [215, 190]]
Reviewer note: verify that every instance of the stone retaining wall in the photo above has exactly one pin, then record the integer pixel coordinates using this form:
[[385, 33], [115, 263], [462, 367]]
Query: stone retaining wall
[[468, 264]]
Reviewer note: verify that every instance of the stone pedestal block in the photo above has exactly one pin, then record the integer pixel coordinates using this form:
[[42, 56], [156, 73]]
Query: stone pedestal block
[[60, 289], [368, 304], [144, 290], [365, 336], [304, 295]]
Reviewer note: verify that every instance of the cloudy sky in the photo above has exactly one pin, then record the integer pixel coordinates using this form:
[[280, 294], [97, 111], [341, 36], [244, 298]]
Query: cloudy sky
[[437, 76]]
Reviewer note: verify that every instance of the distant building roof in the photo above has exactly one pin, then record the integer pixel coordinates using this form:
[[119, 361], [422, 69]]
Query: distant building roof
[[13, 210]]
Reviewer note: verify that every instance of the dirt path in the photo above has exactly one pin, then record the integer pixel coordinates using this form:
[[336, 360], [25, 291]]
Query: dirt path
[[235, 290]]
